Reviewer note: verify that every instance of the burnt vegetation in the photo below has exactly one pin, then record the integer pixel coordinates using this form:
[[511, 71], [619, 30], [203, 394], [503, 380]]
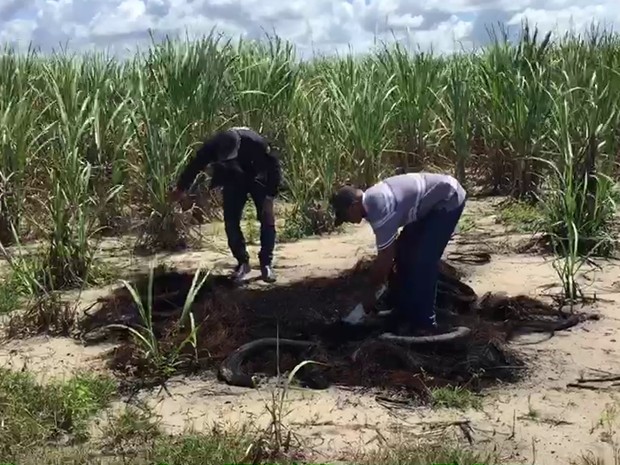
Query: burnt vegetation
[[281, 326]]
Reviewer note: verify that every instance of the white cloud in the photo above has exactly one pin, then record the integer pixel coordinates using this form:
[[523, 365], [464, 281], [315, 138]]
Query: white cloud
[[322, 25], [571, 17], [17, 31]]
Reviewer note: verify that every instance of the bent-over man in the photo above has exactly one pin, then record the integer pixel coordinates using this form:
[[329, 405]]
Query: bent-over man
[[428, 208], [244, 164]]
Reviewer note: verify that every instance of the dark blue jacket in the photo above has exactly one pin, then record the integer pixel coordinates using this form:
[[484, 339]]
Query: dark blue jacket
[[238, 156]]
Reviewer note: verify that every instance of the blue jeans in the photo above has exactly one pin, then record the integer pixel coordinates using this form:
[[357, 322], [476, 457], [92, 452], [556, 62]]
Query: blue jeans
[[419, 248]]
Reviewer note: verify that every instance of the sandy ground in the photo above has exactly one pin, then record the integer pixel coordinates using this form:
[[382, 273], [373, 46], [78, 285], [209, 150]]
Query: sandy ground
[[539, 420]]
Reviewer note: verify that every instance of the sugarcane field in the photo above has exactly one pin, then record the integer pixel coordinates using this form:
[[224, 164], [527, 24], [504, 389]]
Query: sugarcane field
[[215, 252]]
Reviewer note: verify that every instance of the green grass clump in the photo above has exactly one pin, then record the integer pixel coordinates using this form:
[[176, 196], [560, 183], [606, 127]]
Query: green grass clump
[[519, 216], [160, 360], [34, 414], [466, 224], [455, 397], [412, 454], [11, 294], [129, 430], [188, 449], [215, 448]]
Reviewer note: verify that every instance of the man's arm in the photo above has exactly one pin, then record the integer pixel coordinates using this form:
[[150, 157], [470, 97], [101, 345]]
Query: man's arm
[[381, 266], [225, 141], [274, 173], [204, 156], [379, 272]]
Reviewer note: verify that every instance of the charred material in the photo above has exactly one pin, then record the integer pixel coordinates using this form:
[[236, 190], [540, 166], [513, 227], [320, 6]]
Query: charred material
[[231, 369], [237, 329]]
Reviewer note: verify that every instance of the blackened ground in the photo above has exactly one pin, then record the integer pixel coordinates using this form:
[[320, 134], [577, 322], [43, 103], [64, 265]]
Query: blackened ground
[[311, 309]]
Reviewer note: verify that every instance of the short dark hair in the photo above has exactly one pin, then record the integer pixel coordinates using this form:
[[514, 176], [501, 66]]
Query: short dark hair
[[341, 200]]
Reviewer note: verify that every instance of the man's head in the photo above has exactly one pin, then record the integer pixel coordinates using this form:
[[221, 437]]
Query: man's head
[[347, 205], [227, 146]]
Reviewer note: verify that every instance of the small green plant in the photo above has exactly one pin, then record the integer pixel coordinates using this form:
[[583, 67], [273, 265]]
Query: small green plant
[[455, 397], [423, 452], [131, 428], [532, 413], [277, 441], [578, 203], [278, 436], [11, 294], [213, 448], [24, 289], [307, 220], [525, 217], [251, 224], [466, 224], [609, 423], [164, 363], [27, 271]]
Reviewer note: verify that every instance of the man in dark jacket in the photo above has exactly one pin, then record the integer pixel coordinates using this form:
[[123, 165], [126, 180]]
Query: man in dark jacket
[[244, 164]]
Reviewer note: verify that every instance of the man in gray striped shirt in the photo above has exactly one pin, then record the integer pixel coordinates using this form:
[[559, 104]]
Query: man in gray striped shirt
[[428, 207]]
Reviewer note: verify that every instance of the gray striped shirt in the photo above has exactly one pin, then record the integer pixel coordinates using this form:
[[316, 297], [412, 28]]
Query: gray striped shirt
[[403, 199]]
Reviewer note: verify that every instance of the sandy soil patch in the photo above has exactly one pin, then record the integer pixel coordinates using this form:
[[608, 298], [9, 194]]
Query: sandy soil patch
[[539, 420]]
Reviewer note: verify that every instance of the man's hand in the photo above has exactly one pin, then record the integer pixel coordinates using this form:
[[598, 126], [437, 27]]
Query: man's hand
[[382, 265], [177, 195], [370, 304], [378, 275]]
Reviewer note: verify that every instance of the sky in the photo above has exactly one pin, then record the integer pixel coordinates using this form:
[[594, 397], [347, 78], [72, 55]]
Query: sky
[[324, 26]]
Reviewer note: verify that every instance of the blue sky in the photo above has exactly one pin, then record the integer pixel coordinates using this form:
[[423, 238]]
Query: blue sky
[[319, 25]]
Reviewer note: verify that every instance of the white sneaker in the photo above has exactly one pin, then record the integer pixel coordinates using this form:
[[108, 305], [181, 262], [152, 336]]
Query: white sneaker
[[267, 274], [241, 271]]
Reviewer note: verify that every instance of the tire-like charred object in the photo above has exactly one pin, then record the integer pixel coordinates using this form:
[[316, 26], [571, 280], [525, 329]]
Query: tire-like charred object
[[231, 370], [457, 333], [551, 326], [393, 352], [456, 289]]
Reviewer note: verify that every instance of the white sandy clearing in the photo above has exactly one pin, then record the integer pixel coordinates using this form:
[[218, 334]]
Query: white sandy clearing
[[539, 420]]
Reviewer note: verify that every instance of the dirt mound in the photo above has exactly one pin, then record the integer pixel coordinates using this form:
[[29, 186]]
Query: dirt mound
[[305, 318]]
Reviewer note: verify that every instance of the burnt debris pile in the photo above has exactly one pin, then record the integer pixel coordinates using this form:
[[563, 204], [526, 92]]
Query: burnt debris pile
[[242, 331]]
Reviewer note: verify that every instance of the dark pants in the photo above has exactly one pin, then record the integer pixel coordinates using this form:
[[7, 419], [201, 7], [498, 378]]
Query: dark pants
[[419, 248], [235, 197]]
